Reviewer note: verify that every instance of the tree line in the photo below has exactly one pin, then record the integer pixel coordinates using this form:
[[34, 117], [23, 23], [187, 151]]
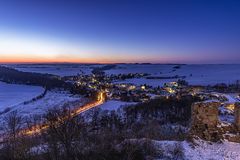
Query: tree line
[[125, 134]]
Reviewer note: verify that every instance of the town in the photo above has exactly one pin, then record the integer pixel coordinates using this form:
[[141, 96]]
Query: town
[[119, 80]]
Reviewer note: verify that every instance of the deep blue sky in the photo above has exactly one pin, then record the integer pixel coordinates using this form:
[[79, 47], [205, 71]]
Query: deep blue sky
[[196, 31]]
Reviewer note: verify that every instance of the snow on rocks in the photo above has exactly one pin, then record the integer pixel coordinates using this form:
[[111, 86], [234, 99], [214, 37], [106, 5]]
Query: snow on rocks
[[200, 150]]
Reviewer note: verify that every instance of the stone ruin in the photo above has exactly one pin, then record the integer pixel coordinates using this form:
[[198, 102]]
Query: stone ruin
[[205, 122], [237, 115]]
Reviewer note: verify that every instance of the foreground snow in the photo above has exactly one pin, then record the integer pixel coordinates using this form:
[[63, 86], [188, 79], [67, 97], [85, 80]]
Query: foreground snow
[[202, 150], [13, 94], [39, 107]]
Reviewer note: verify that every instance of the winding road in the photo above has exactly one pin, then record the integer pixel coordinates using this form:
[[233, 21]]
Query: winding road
[[42, 127]]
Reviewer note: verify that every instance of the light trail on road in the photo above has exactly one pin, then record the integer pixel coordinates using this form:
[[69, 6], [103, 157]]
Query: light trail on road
[[42, 127]]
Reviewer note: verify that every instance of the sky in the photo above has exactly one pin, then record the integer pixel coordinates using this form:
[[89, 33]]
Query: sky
[[120, 31]]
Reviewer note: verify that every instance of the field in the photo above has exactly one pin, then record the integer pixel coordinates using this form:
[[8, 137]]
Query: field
[[194, 74], [12, 94], [60, 70], [52, 99]]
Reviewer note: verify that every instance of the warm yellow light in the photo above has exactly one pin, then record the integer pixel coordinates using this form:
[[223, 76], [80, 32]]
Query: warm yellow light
[[42, 127], [230, 107], [170, 90], [143, 87]]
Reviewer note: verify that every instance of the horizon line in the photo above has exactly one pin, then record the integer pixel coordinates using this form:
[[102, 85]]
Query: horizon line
[[106, 63]]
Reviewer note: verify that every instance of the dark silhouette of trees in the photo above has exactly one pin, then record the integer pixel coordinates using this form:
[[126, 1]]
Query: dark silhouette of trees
[[48, 81], [16, 146], [111, 135]]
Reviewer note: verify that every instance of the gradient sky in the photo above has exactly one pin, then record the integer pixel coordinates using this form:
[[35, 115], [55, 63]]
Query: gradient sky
[[105, 31]]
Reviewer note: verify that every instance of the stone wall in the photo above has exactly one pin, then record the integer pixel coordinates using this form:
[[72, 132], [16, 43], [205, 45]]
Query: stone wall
[[237, 115], [205, 120], [205, 123]]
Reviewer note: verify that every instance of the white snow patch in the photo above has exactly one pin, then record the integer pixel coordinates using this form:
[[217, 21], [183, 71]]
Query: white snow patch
[[13, 94], [203, 150], [50, 100], [114, 105]]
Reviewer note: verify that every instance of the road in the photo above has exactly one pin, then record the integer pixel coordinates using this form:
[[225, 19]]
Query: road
[[42, 127]]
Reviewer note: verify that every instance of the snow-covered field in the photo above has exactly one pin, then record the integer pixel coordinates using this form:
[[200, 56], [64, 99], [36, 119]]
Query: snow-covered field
[[195, 74], [209, 74], [39, 107], [202, 150], [50, 100], [60, 70], [114, 105], [156, 69], [13, 94]]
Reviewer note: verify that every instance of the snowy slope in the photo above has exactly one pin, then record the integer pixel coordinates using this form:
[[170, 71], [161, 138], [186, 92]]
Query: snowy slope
[[50, 100], [202, 150], [12, 94], [114, 105], [39, 107]]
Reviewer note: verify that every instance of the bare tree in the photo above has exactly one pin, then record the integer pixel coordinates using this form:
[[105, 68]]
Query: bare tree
[[64, 130], [16, 145], [13, 124]]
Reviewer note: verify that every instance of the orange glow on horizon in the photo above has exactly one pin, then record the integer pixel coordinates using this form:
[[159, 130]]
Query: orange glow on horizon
[[68, 59], [64, 59], [32, 60], [42, 60]]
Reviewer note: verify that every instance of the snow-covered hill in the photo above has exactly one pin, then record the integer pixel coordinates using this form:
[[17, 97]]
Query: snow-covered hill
[[13, 94], [50, 100]]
